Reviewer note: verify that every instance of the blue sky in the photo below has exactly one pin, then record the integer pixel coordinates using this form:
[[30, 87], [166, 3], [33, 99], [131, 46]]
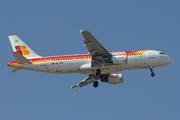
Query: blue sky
[[51, 28]]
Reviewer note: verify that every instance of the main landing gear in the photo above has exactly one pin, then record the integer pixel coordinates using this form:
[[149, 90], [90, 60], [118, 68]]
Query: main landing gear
[[98, 72], [152, 73], [95, 84]]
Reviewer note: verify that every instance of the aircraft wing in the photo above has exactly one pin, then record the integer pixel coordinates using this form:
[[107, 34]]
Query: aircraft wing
[[86, 81], [97, 51]]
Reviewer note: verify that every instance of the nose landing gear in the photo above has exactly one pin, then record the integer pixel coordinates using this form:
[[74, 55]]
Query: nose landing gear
[[152, 73]]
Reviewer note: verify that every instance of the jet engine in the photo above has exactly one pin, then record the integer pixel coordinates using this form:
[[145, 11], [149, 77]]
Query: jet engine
[[119, 60], [113, 79]]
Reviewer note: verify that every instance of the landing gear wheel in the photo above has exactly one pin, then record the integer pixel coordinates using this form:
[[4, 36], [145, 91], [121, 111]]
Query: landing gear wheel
[[95, 84], [98, 72], [152, 74]]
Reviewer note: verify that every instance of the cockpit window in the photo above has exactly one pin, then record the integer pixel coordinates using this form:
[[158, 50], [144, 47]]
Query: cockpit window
[[161, 53]]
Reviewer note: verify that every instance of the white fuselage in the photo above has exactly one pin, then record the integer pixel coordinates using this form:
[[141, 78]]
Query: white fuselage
[[150, 58]]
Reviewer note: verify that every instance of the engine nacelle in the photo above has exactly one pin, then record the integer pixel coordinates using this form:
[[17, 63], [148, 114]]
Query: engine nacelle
[[113, 79], [119, 60]]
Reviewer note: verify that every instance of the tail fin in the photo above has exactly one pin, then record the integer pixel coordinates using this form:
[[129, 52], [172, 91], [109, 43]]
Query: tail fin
[[19, 46]]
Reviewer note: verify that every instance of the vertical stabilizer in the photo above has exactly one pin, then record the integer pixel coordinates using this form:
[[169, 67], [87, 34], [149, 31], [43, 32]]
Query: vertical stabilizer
[[19, 46]]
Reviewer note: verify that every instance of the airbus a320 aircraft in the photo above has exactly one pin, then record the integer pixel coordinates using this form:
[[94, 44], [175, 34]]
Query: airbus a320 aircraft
[[99, 63]]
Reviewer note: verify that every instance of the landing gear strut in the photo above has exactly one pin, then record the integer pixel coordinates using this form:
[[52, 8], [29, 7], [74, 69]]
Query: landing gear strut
[[152, 73], [98, 72], [95, 84]]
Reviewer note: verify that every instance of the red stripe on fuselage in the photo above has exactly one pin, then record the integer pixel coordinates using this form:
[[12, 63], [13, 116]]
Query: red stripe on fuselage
[[72, 56]]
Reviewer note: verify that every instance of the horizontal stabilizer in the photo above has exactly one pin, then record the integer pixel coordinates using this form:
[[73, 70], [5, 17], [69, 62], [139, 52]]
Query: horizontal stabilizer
[[15, 70], [19, 58]]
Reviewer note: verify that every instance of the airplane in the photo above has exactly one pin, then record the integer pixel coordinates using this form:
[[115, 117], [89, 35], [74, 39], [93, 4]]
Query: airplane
[[98, 63]]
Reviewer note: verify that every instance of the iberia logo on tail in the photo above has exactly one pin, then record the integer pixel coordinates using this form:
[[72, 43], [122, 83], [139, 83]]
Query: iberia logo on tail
[[22, 50]]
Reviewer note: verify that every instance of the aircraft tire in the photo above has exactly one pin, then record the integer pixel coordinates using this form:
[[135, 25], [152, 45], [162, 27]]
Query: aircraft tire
[[95, 84], [152, 74], [98, 72]]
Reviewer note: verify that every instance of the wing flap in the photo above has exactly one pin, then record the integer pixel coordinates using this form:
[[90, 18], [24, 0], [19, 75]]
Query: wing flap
[[93, 46], [97, 51], [85, 82]]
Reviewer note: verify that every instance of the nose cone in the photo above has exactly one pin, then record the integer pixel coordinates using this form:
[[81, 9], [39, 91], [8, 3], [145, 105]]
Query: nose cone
[[169, 60]]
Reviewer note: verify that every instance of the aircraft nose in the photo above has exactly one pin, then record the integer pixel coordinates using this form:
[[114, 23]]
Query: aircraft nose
[[170, 60]]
